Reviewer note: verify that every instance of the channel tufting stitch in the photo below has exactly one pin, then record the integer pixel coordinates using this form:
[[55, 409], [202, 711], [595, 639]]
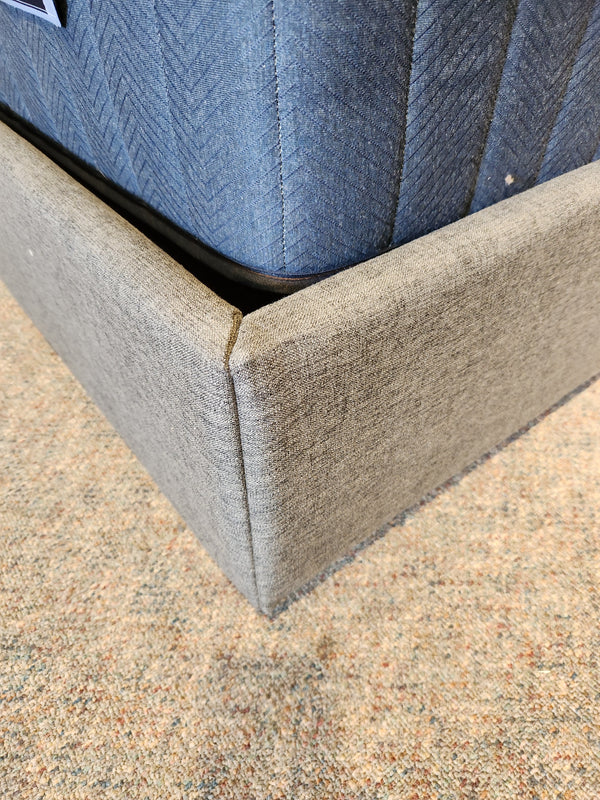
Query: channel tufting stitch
[[303, 137]]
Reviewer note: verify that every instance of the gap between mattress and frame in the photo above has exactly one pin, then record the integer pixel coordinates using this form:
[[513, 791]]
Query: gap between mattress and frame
[[240, 286]]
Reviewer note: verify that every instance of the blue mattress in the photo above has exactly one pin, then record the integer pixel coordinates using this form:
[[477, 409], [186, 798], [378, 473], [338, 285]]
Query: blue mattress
[[297, 138]]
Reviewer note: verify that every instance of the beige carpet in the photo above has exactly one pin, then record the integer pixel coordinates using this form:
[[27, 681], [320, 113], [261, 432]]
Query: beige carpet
[[456, 657]]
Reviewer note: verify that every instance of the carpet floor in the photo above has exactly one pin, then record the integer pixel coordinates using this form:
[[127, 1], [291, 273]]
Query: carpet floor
[[455, 657]]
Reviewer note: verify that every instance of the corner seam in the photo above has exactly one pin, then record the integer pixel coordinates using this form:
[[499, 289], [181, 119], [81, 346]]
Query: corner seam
[[233, 337]]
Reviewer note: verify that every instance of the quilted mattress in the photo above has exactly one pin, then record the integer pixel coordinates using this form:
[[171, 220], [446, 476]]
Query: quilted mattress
[[293, 138]]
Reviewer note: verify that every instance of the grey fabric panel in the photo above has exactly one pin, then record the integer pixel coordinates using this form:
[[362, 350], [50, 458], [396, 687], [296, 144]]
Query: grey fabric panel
[[359, 394], [148, 342]]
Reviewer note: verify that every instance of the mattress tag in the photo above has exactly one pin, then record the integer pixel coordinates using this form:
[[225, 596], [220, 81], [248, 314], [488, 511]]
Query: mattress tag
[[40, 8]]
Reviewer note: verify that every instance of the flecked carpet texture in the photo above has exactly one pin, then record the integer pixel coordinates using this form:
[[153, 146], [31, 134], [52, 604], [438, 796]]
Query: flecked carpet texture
[[455, 657]]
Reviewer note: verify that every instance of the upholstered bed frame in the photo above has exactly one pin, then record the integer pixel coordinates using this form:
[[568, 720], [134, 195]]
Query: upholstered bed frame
[[288, 435]]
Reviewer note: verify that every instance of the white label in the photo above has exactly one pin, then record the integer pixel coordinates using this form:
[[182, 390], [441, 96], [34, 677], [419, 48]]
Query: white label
[[41, 8]]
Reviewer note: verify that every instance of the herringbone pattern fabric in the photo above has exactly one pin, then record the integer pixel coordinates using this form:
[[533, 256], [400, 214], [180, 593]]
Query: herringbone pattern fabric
[[541, 54], [456, 66], [302, 137], [576, 134], [343, 74]]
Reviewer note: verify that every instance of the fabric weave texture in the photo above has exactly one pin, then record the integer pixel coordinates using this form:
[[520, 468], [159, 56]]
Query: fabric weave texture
[[302, 137], [287, 436], [456, 657]]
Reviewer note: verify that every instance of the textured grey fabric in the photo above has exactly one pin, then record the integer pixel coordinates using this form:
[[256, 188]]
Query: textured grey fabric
[[359, 394], [354, 396], [148, 341]]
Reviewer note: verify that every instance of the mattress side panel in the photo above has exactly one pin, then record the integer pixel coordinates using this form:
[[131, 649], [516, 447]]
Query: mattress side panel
[[543, 49], [299, 138], [458, 56], [576, 132], [343, 73], [173, 101]]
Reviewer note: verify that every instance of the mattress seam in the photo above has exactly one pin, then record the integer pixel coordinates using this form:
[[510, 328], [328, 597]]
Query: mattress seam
[[402, 150], [279, 137], [161, 50], [512, 11], [559, 105]]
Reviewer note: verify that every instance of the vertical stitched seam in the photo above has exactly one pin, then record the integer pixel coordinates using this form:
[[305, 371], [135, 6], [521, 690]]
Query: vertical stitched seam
[[12, 78], [564, 94], [174, 138], [115, 116], [402, 148], [512, 11], [42, 100], [76, 113], [235, 329], [279, 145], [596, 146]]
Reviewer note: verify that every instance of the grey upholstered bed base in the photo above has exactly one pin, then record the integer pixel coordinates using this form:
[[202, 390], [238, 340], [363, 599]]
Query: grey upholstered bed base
[[289, 435]]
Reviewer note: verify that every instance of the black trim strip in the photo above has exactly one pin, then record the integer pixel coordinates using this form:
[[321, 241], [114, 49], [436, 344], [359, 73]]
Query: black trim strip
[[218, 272]]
